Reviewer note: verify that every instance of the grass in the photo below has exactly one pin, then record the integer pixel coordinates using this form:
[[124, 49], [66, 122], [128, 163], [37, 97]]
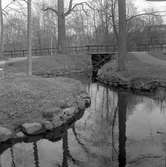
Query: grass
[[52, 64], [159, 54], [23, 99], [135, 69], [138, 69]]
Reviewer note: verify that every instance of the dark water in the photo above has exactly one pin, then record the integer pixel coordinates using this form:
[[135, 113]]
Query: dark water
[[118, 130]]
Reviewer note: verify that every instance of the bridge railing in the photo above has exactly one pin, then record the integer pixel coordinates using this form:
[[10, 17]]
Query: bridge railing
[[90, 49]]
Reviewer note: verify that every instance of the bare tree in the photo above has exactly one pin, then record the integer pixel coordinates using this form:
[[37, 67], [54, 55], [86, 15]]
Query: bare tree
[[62, 14]]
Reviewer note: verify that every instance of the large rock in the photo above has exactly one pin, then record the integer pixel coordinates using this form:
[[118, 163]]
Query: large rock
[[68, 112], [32, 128], [5, 134], [48, 125], [50, 112], [83, 101]]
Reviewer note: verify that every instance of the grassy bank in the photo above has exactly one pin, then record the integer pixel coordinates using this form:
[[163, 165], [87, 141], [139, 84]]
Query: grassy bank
[[57, 100], [141, 73], [24, 99], [56, 65], [158, 54]]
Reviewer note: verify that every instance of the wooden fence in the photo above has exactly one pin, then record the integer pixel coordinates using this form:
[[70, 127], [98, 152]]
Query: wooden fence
[[35, 52], [87, 49]]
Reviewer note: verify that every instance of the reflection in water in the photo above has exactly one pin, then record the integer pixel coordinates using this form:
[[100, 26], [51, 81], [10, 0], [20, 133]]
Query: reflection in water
[[65, 150], [118, 130], [122, 108], [35, 153], [12, 157]]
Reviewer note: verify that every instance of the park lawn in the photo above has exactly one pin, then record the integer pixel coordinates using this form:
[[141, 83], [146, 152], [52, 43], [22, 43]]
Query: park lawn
[[135, 70], [24, 99], [158, 54], [59, 63], [139, 69]]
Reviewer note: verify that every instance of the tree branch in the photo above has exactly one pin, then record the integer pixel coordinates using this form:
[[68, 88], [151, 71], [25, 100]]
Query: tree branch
[[70, 4], [71, 8], [22, 0], [16, 10], [5, 12], [146, 14], [7, 5], [51, 9]]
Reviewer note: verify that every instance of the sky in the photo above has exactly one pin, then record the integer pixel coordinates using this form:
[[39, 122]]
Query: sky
[[140, 4], [143, 4]]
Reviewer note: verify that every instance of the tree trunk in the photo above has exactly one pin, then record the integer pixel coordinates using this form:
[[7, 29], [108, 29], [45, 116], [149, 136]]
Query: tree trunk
[[61, 27], [29, 29], [51, 42], [122, 35], [113, 5], [1, 31]]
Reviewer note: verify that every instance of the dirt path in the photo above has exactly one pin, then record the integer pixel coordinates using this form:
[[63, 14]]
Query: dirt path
[[147, 58], [16, 59]]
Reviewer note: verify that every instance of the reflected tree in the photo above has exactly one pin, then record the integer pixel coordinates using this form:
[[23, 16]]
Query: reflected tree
[[35, 153], [12, 157], [79, 141], [122, 109], [102, 105], [113, 127], [66, 152]]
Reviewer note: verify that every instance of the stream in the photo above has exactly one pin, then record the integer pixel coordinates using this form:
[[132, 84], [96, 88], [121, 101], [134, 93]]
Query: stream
[[120, 129]]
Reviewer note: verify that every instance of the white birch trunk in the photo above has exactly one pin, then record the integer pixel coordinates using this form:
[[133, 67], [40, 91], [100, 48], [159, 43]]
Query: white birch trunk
[[1, 31], [29, 34]]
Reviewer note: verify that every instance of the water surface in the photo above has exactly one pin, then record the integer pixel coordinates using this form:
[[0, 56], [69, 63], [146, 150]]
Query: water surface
[[118, 130]]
